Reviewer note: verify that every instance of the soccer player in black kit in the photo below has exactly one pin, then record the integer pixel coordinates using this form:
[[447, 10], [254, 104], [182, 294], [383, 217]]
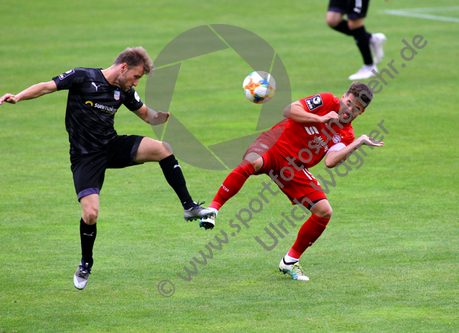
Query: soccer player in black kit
[[94, 97]]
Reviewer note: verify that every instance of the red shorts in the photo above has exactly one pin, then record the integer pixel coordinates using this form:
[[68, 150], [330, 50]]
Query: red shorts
[[296, 184], [265, 141]]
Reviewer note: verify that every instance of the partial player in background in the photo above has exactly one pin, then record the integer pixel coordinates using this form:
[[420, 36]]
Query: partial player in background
[[367, 43], [316, 127], [94, 96]]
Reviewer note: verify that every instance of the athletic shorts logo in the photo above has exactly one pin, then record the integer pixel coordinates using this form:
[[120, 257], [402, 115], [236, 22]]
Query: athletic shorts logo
[[66, 74], [314, 102], [117, 95]]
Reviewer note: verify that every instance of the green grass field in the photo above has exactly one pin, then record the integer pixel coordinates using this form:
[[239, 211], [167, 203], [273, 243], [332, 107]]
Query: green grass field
[[388, 261]]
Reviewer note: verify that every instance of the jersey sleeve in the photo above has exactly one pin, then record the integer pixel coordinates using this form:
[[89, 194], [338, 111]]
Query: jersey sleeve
[[70, 78], [337, 147], [320, 103], [133, 102]]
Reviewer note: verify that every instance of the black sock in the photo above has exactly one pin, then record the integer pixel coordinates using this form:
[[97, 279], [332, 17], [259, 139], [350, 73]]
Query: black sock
[[343, 27], [362, 38], [174, 176], [88, 236]]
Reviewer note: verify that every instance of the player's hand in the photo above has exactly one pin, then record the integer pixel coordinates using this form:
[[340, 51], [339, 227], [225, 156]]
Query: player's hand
[[9, 98], [160, 117], [329, 116], [370, 141]]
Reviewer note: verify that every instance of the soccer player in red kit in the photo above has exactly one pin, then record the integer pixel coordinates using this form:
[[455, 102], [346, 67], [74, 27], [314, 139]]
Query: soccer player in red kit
[[315, 127]]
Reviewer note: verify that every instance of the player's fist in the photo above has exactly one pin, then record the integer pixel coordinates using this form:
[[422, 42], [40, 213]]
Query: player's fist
[[9, 98], [329, 116]]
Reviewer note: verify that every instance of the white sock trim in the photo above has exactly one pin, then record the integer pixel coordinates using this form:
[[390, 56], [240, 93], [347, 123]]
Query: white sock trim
[[289, 259]]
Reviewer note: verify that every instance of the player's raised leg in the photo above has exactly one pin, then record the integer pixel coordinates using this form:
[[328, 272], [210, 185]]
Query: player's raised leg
[[230, 187], [151, 150]]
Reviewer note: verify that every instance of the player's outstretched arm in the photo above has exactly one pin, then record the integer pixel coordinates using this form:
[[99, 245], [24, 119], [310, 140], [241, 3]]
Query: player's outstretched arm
[[296, 112], [34, 91], [335, 157], [151, 116]]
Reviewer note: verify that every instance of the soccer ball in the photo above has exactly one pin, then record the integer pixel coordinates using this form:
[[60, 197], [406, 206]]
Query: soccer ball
[[259, 87]]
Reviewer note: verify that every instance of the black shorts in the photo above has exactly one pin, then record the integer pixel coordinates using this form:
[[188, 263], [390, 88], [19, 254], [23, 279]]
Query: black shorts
[[89, 169], [354, 9]]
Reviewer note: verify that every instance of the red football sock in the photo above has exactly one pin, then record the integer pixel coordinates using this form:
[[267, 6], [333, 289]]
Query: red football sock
[[232, 184], [308, 234]]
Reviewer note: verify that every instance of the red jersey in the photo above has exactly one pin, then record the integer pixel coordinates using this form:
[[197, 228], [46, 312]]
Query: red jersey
[[308, 142], [311, 141]]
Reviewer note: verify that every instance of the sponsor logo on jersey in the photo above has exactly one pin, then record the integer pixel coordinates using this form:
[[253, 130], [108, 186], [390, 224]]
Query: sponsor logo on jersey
[[104, 108], [336, 139], [117, 95], [137, 97], [311, 130], [66, 74], [319, 141], [314, 102]]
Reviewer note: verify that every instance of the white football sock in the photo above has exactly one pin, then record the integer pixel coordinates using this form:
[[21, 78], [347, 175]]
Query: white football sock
[[290, 260]]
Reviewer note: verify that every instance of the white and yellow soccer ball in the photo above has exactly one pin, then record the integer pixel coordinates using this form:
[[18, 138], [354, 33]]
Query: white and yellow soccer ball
[[259, 87]]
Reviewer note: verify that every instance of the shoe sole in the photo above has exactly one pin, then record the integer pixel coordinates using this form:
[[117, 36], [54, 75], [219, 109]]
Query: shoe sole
[[206, 225], [194, 218]]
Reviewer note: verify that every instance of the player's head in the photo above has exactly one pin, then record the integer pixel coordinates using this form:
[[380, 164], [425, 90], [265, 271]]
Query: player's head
[[361, 92], [134, 57], [355, 101], [132, 64]]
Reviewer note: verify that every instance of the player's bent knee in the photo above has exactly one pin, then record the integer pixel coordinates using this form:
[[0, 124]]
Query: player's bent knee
[[331, 23], [333, 19], [90, 216], [326, 214], [151, 150], [322, 209], [257, 164], [168, 147]]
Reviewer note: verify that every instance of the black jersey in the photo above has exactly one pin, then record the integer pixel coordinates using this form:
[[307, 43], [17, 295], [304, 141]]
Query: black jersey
[[91, 106]]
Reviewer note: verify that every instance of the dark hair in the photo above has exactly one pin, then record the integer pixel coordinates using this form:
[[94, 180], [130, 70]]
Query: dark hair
[[361, 92], [134, 57]]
